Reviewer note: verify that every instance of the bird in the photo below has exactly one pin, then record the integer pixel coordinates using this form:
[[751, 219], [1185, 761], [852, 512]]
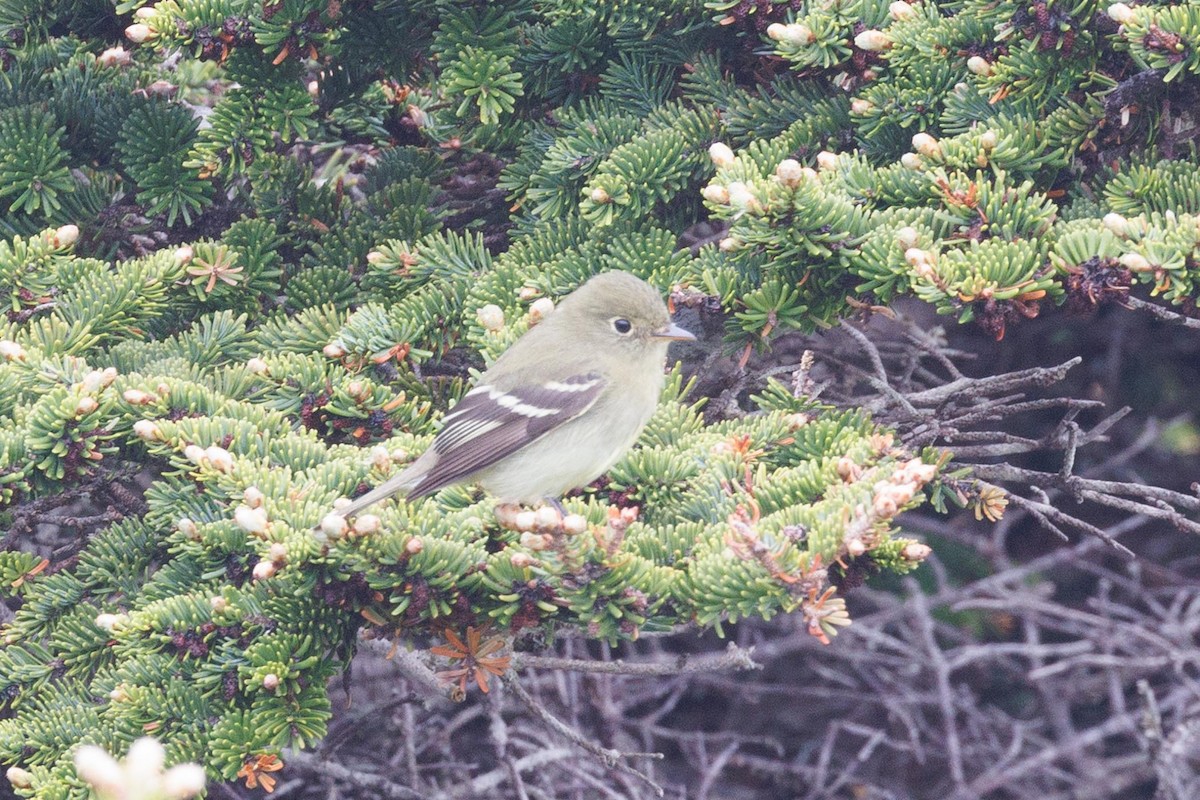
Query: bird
[[558, 407]]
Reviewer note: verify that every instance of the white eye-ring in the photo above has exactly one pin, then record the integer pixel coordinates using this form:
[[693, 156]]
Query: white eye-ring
[[622, 325]]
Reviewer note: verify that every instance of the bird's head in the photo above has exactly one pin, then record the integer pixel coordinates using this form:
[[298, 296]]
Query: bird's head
[[620, 310]]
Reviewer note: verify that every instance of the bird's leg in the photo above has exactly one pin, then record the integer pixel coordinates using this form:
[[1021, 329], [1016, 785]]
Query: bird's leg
[[554, 503]]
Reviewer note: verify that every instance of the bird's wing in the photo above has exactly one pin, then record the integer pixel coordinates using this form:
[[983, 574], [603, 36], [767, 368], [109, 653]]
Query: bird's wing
[[490, 423]]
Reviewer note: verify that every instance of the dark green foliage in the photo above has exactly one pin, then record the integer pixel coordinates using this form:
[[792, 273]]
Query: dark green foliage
[[155, 140]]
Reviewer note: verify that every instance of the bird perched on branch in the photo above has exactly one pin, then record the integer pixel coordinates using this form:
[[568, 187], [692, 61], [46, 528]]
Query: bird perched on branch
[[559, 407]]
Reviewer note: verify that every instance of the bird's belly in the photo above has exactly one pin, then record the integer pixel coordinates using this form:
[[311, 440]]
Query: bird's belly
[[567, 457]]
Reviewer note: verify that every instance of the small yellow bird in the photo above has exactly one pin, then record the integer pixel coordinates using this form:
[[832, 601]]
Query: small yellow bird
[[559, 407]]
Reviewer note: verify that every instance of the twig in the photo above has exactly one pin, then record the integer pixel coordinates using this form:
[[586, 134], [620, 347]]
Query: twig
[[610, 758], [411, 666], [734, 658], [1162, 314], [377, 785]]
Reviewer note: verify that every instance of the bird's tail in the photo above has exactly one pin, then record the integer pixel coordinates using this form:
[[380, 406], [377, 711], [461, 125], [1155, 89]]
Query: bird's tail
[[396, 484]]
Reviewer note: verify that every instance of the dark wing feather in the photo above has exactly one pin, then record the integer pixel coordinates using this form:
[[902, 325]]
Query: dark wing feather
[[489, 424]]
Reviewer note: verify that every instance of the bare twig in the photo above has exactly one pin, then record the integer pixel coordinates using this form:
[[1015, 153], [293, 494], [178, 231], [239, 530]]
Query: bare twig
[[734, 658], [1162, 314], [614, 759]]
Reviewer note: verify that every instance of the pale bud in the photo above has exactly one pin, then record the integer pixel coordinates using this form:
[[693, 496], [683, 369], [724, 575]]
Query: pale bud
[[988, 140], [115, 57], [534, 541], [715, 193], [796, 421], [144, 13], [729, 244], [1135, 262], [137, 397], [366, 524], [194, 453], [720, 154], [916, 551], [334, 525], [93, 381], [270, 681], [918, 471], [826, 160], [138, 32], [418, 116], [183, 781], [793, 34], [356, 389], [66, 235], [1120, 12], [548, 517], [740, 195], [147, 430], [333, 351], [526, 520], [527, 293], [872, 41], [161, 88], [11, 351], [100, 770], [257, 366], [491, 317], [341, 503], [915, 256], [86, 405], [414, 546], [144, 762], [187, 527], [775, 31], [251, 520], [521, 560], [924, 270], [790, 172], [979, 66], [218, 604], [926, 145], [906, 237], [856, 547], [574, 524], [314, 89], [599, 196], [901, 10], [108, 622], [264, 569], [860, 106], [847, 470], [911, 161], [119, 694], [184, 254], [380, 459], [19, 778], [540, 309], [1116, 223], [885, 506], [220, 458]]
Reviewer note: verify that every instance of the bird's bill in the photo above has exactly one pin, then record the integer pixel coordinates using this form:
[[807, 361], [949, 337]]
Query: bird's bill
[[674, 333]]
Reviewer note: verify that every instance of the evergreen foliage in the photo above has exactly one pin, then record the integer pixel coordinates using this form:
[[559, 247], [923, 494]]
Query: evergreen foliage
[[250, 249]]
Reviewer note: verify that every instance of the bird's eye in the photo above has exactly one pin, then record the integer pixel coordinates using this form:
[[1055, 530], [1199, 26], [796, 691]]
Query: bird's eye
[[622, 326]]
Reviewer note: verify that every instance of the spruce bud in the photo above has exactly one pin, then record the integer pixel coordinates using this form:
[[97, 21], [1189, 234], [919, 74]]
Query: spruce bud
[[720, 154]]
